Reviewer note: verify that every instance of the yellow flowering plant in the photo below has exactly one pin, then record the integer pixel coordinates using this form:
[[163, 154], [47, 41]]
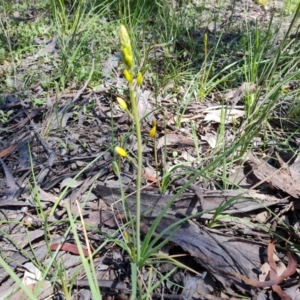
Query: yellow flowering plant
[[129, 74], [139, 252]]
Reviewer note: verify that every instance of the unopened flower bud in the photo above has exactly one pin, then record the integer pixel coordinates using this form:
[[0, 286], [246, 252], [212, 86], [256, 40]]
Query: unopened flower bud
[[152, 132], [120, 151], [122, 103], [139, 79], [127, 75]]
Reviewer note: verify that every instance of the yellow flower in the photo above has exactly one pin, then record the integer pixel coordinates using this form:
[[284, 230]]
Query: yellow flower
[[139, 79], [262, 2], [121, 151], [152, 132], [127, 75], [122, 103]]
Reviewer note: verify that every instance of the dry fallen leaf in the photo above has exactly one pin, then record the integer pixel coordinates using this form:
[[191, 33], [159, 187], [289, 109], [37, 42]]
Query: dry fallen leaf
[[231, 115], [8, 150], [70, 182], [174, 139], [275, 279], [262, 217], [145, 108], [187, 118], [285, 178], [210, 138], [236, 95], [265, 270], [274, 272], [69, 248]]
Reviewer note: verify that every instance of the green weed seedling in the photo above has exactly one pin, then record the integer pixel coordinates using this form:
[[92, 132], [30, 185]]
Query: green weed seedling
[[4, 116]]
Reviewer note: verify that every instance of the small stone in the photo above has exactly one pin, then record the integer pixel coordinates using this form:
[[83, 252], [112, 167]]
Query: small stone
[[73, 166], [79, 163]]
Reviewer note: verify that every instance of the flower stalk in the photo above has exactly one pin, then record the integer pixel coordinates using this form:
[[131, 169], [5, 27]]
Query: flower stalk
[[152, 134], [127, 57]]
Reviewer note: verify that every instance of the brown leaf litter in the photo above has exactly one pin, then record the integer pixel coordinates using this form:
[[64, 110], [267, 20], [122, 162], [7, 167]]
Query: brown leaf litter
[[224, 248], [285, 178], [220, 254]]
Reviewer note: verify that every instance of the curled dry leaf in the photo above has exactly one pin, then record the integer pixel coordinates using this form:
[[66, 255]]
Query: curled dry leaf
[[290, 270], [275, 280]]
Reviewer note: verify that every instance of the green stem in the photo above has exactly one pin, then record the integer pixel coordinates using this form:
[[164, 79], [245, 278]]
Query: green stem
[[156, 163], [134, 279], [134, 107]]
